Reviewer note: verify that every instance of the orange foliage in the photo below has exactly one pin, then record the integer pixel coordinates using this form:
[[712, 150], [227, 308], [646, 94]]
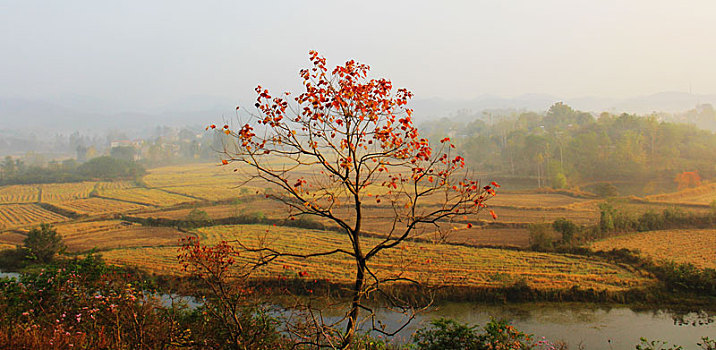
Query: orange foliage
[[688, 179]]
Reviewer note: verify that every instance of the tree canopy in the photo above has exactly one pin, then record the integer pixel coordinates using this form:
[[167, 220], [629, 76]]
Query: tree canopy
[[345, 143]]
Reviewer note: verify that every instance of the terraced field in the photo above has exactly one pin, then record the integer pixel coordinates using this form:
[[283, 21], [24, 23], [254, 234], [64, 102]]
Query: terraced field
[[702, 195], [683, 246], [146, 196], [206, 192], [535, 200], [431, 263], [116, 234], [53, 193], [81, 228], [97, 206], [155, 248], [214, 212], [17, 215], [11, 239], [202, 174], [19, 194]]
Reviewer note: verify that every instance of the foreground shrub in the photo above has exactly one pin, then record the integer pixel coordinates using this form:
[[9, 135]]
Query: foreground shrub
[[447, 334], [83, 303], [496, 335]]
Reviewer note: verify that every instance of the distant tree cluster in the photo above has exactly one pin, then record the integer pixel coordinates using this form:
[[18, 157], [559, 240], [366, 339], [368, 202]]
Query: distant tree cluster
[[14, 171], [565, 147]]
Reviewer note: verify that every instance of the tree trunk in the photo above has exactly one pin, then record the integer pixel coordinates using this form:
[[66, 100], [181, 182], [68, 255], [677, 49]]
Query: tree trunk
[[355, 304]]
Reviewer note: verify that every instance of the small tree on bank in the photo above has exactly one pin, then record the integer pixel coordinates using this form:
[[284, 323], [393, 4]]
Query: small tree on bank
[[346, 143], [43, 243]]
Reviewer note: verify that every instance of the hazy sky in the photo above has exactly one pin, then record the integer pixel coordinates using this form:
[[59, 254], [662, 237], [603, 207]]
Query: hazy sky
[[145, 54]]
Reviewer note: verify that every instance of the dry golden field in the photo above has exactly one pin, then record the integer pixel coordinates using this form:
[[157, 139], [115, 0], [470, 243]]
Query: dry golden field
[[431, 263], [146, 196], [637, 207], [97, 206], [198, 184], [214, 212], [80, 228], [216, 192], [683, 246], [125, 237], [11, 239], [19, 194], [525, 199], [17, 215], [702, 195], [209, 174], [111, 234], [53, 193]]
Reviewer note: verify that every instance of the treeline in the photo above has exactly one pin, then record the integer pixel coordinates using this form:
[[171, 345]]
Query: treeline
[[566, 148], [565, 234], [14, 171]]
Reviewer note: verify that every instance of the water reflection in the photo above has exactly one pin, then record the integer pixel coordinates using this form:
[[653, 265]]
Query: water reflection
[[593, 326], [14, 275]]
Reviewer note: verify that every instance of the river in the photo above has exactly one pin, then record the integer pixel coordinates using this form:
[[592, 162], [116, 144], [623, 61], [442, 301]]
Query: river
[[592, 326]]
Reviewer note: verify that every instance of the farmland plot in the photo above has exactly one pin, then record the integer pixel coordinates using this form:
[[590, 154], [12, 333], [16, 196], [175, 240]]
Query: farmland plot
[[12, 238], [145, 196], [19, 194], [431, 263], [534, 200], [217, 192], [702, 195], [16, 215], [53, 193], [73, 229], [683, 246], [191, 174], [126, 236], [95, 206]]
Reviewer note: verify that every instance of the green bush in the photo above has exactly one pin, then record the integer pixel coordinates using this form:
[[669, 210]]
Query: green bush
[[447, 334], [43, 243], [540, 237], [567, 228]]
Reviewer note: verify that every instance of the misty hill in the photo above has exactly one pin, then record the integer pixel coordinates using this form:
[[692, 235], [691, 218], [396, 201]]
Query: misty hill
[[25, 114], [68, 115], [670, 102]]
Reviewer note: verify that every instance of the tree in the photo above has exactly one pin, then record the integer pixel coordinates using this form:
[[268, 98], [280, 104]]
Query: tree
[[110, 168], [43, 243], [688, 179], [566, 228], [348, 142]]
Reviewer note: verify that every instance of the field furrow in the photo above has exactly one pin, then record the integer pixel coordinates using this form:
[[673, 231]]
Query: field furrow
[[432, 263], [17, 215]]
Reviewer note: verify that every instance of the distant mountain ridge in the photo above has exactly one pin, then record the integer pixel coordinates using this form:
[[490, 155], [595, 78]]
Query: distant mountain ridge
[[88, 114], [670, 102]]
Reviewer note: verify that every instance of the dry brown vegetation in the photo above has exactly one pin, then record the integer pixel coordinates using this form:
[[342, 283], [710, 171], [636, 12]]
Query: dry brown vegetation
[[96, 206], [202, 184], [697, 247], [128, 237], [702, 195], [431, 263], [18, 215], [19, 194]]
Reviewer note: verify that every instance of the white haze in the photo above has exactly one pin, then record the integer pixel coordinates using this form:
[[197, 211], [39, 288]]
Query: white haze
[[116, 56]]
